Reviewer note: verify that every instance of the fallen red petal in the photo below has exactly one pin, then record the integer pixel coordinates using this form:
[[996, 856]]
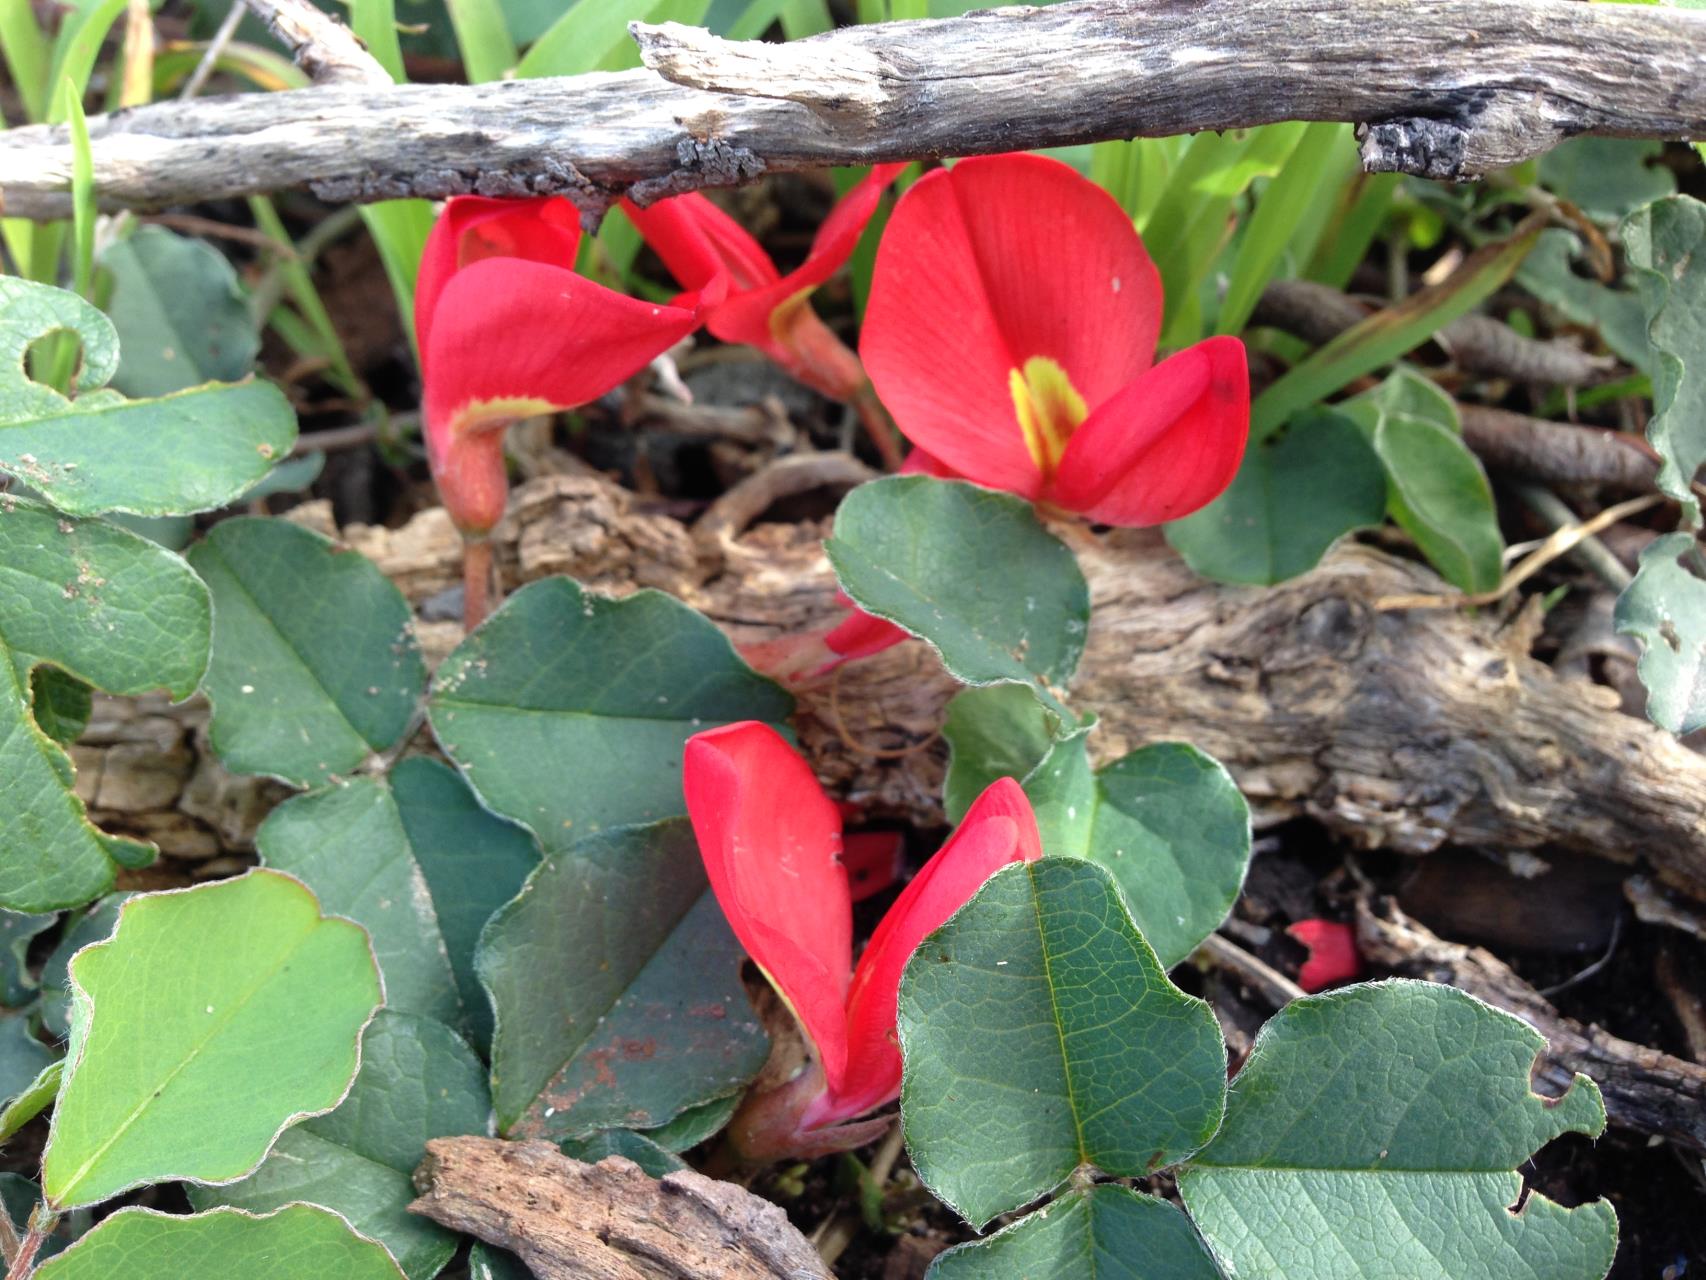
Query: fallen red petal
[[1333, 955]]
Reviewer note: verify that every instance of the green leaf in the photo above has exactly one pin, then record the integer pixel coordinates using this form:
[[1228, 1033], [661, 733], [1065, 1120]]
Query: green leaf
[[93, 925], [473, 861], [18, 986], [1374, 1132], [630, 1146], [1666, 607], [315, 665], [226, 1011], [418, 1081], [617, 988], [973, 572], [22, 1058], [1391, 333], [1040, 1035], [1616, 314], [107, 608], [302, 1242], [483, 39], [180, 316], [61, 704], [349, 845], [615, 686], [1607, 177], [1666, 244], [192, 451], [1166, 821], [35, 1098], [1111, 1233], [1436, 490], [695, 1125], [1296, 494]]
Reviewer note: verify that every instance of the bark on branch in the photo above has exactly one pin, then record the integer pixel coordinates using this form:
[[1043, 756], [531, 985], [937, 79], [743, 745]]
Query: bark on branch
[[1445, 88], [568, 1220], [1402, 730]]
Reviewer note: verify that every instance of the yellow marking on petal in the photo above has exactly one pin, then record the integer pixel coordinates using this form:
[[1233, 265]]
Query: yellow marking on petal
[[1049, 409], [487, 415]]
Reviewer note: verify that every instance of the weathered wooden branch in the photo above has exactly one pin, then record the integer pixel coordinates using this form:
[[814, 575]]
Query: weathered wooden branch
[[1645, 1090], [327, 51], [1402, 730], [1445, 88], [568, 1220]]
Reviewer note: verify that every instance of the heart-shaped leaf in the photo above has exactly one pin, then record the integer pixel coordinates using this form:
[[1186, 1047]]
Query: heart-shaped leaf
[[973, 572], [180, 315], [1297, 493], [1376, 1130], [302, 1242], [1666, 243], [192, 451], [348, 844], [1167, 821], [111, 609], [1040, 1035], [315, 665], [568, 711], [617, 988], [418, 1081], [1111, 1233], [226, 1012], [1666, 607]]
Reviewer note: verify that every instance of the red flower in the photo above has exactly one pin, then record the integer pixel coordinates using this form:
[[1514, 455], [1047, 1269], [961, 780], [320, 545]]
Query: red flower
[[704, 248], [1011, 332], [508, 330], [1333, 954], [771, 841]]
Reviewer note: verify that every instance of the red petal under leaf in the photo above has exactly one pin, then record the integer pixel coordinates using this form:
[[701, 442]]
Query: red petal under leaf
[[771, 842], [999, 828], [1164, 446], [984, 266], [874, 861], [1333, 955]]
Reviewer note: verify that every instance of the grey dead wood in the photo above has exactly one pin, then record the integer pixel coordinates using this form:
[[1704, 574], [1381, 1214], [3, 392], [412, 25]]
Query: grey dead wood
[[1645, 1091], [568, 1220], [327, 51], [1443, 88], [1402, 730]]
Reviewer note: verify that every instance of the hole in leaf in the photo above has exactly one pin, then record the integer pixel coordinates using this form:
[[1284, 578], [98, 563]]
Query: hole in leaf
[[55, 359], [1667, 631]]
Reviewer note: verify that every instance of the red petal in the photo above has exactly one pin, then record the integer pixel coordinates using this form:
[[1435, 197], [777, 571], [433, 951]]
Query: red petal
[[874, 861], [748, 315], [860, 636], [514, 337], [699, 242], [1167, 444], [771, 841], [473, 227], [984, 266], [1333, 955], [998, 829]]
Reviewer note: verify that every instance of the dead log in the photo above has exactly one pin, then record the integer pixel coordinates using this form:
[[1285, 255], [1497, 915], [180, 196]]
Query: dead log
[[1443, 88], [1401, 730], [1645, 1091], [568, 1220]]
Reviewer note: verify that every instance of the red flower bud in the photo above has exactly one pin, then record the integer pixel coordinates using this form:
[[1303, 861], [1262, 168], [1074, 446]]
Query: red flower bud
[[507, 330], [704, 248]]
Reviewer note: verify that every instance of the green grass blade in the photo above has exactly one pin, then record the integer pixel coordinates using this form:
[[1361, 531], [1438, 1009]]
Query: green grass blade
[[1279, 211], [77, 47], [375, 22], [483, 38], [1391, 333], [1345, 242], [70, 109], [28, 55]]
